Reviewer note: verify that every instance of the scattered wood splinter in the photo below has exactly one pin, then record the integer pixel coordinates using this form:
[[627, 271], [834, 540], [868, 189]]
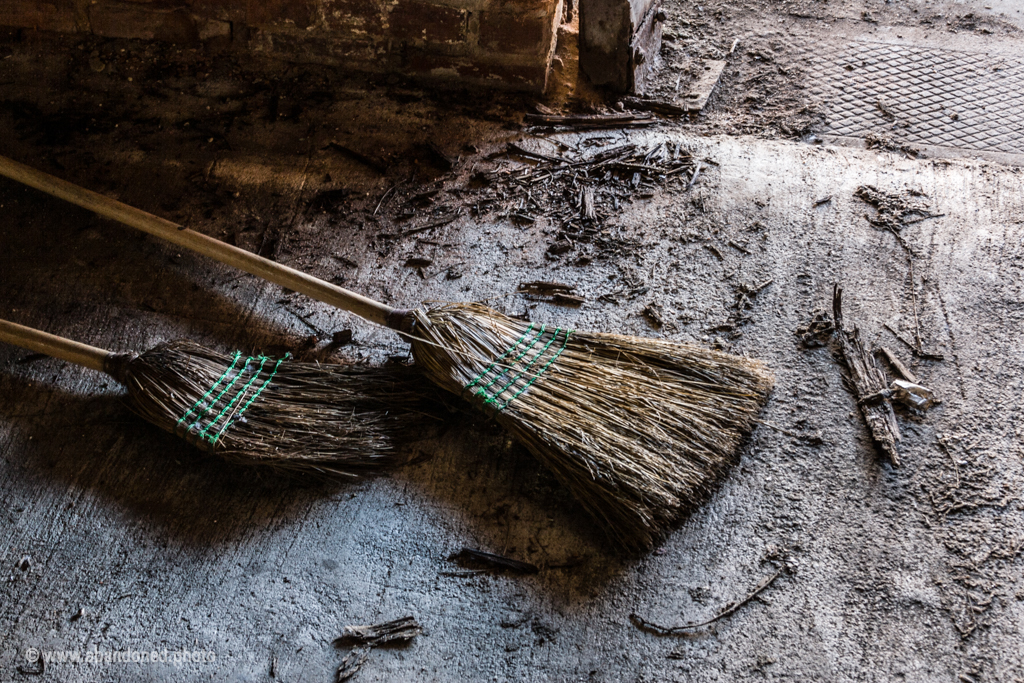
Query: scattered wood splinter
[[365, 638], [468, 557], [730, 608], [405, 628]]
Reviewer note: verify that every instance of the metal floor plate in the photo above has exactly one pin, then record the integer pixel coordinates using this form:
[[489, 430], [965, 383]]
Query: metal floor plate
[[925, 96]]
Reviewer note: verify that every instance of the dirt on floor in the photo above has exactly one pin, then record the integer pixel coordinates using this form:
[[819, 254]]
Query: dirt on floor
[[814, 560]]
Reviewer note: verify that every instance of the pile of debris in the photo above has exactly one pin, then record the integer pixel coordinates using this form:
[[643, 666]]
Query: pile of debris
[[578, 193], [894, 210]]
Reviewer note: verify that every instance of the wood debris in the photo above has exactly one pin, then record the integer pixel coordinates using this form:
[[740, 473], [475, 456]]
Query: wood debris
[[520, 151], [729, 608], [551, 292], [423, 228], [817, 332], [567, 300], [352, 663], [700, 90], [590, 121], [365, 638], [378, 166], [868, 383], [656, 106], [897, 365], [778, 557], [653, 315], [578, 192], [913, 347], [542, 287], [405, 628], [888, 143], [440, 157], [894, 211], [477, 559]]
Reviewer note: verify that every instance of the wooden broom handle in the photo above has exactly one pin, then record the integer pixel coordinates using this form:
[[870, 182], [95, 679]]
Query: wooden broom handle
[[207, 246], [52, 345]]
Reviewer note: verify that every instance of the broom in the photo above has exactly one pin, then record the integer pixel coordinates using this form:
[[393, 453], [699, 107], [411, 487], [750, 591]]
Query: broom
[[337, 420], [638, 429]]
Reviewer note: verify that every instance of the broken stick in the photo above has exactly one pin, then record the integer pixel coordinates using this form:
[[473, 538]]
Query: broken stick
[[469, 557], [730, 608], [365, 638], [897, 365]]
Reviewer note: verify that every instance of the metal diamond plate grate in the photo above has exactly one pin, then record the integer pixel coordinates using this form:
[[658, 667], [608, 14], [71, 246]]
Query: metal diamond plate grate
[[928, 96]]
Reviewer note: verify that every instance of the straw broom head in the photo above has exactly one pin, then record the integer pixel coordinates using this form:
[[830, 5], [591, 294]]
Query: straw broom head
[[331, 419], [638, 429]]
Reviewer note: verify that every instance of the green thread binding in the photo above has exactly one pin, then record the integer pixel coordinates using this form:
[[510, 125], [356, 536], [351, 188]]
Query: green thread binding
[[540, 335], [512, 381], [263, 360], [495, 361], [542, 370], [251, 399], [234, 361], [482, 390], [220, 395]]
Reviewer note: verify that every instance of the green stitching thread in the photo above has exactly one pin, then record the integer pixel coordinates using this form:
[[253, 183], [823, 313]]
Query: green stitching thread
[[484, 388], [495, 361], [512, 381], [220, 395], [542, 370], [253, 398], [263, 360], [528, 366], [234, 361]]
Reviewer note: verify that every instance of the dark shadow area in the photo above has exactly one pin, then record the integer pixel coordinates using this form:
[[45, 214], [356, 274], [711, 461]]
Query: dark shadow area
[[75, 265], [96, 444]]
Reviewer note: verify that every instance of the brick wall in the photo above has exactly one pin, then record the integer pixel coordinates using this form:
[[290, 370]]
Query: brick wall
[[505, 43]]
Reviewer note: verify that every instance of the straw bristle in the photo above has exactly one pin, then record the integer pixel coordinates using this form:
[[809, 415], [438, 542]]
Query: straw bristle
[[332, 419], [639, 429]]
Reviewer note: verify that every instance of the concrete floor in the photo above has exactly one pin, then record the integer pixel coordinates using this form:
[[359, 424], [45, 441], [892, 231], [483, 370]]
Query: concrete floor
[[116, 536]]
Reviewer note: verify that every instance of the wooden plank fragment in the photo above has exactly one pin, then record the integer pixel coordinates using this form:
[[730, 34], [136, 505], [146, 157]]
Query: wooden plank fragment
[[700, 90], [405, 628]]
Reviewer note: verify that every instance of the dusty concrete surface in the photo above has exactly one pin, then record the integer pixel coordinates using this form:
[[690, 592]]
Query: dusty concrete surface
[[115, 536]]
